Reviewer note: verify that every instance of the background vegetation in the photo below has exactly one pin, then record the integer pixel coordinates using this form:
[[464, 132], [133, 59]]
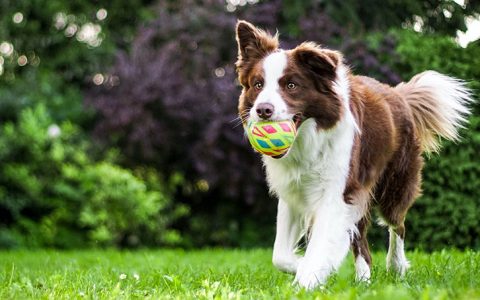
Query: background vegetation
[[117, 118]]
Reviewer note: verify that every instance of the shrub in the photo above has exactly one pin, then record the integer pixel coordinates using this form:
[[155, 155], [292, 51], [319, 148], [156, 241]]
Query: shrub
[[52, 193]]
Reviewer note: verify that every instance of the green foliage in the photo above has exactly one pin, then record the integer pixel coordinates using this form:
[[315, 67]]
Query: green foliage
[[221, 274], [360, 17], [63, 101], [52, 193], [56, 191], [447, 213], [63, 44], [43, 33]]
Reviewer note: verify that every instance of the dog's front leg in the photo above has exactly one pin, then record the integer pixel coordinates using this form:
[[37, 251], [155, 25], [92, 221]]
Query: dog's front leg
[[288, 234], [328, 245]]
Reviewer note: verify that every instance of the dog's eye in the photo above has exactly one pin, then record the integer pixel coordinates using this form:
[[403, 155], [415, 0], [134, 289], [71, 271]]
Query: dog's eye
[[291, 86], [258, 85]]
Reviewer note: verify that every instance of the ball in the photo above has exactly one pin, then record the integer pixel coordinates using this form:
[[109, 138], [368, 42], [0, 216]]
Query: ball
[[272, 138]]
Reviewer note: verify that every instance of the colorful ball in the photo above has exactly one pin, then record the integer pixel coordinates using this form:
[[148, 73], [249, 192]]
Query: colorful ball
[[272, 138]]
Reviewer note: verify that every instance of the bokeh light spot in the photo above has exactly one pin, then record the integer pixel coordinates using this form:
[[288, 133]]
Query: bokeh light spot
[[71, 30], [98, 79], [17, 18], [203, 185], [88, 34], [102, 14], [6, 48], [60, 20], [447, 13], [54, 131], [219, 72], [22, 60]]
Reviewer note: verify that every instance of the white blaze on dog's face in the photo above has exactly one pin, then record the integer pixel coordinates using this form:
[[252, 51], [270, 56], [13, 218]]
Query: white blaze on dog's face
[[286, 84], [273, 67]]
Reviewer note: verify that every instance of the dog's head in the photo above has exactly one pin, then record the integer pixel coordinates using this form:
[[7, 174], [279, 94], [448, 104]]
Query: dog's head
[[286, 84]]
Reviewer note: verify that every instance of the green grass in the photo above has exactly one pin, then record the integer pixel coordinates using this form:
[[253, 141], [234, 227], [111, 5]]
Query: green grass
[[222, 274]]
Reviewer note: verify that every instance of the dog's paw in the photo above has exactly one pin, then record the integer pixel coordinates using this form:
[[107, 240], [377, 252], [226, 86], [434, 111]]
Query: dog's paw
[[362, 270], [399, 266], [310, 276], [286, 264]]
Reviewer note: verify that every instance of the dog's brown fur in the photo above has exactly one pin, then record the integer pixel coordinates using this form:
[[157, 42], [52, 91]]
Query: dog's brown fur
[[386, 159]]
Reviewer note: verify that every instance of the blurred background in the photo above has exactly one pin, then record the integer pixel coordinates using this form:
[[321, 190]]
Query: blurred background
[[117, 118]]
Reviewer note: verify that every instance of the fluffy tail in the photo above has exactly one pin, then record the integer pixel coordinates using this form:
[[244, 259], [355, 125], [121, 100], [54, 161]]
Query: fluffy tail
[[439, 104]]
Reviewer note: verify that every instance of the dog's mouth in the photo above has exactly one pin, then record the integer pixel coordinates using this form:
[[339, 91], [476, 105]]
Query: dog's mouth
[[298, 119]]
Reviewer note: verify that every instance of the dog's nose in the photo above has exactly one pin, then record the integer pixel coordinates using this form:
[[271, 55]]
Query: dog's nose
[[265, 110]]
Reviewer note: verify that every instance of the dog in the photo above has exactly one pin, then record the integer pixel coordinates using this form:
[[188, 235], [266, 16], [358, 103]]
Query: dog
[[359, 145]]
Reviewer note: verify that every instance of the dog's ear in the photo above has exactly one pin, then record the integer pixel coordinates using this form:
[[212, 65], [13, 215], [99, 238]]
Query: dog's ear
[[321, 62], [254, 42], [253, 45]]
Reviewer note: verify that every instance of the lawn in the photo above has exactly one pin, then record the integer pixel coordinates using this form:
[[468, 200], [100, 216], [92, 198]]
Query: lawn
[[221, 274]]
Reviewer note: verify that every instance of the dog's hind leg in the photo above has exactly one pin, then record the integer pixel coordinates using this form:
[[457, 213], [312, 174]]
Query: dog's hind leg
[[396, 258], [361, 252], [399, 196], [395, 194]]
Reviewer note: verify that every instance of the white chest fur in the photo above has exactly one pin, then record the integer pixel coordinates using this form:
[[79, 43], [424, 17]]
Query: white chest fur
[[310, 181], [316, 167]]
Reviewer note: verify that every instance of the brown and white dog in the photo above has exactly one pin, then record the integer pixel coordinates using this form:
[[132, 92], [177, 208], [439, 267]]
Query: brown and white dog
[[359, 145]]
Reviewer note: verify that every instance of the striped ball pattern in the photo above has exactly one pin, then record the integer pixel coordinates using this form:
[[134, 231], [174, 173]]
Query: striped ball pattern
[[272, 138]]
